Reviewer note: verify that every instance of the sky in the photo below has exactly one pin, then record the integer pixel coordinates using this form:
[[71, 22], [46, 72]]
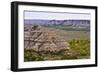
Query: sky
[[55, 15]]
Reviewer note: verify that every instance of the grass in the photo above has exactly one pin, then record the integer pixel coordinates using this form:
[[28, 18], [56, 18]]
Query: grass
[[81, 48], [68, 28]]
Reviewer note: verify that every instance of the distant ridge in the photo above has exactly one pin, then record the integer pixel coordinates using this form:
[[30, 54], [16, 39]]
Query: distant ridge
[[77, 23]]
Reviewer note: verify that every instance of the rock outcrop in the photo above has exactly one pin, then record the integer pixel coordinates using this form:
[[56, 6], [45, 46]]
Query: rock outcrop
[[41, 38]]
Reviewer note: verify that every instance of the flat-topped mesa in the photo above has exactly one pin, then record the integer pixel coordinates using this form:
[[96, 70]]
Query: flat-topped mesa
[[41, 38]]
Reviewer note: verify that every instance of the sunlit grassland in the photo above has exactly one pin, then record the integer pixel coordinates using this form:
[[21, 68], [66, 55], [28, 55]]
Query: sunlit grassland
[[81, 48]]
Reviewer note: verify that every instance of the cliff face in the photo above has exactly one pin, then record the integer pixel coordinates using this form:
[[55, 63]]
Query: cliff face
[[41, 38]]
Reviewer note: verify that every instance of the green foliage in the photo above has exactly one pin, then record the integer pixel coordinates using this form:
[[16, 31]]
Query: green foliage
[[30, 55], [80, 47]]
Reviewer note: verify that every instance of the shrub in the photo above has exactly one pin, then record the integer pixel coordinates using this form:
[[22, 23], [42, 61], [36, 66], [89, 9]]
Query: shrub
[[81, 47], [30, 55]]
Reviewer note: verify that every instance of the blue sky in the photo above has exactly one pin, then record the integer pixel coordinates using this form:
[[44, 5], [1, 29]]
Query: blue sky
[[55, 15]]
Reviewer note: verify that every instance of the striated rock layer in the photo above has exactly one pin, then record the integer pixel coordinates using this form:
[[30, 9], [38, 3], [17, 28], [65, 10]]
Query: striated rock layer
[[41, 38]]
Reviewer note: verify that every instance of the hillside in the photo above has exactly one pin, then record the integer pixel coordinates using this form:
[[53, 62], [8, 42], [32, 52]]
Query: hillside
[[44, 39], [69, 24], [46, 43]]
